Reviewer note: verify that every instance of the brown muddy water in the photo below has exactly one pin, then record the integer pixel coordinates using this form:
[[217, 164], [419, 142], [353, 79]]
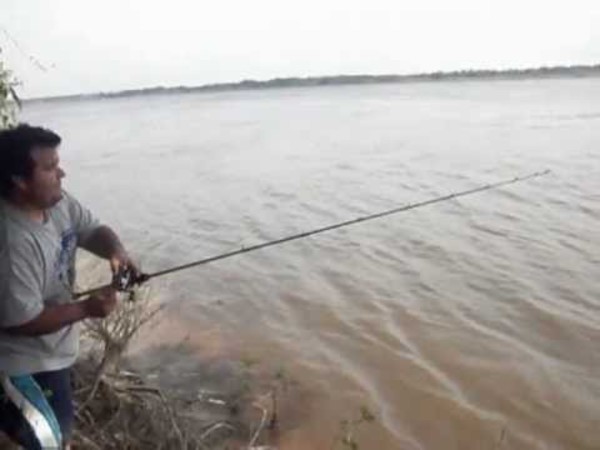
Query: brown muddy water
[[472, 324]]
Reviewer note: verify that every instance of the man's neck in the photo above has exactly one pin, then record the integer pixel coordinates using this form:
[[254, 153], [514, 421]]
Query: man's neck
[[32, 212]]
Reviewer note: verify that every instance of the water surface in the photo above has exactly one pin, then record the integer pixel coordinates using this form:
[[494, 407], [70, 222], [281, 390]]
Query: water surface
[[472, 324]]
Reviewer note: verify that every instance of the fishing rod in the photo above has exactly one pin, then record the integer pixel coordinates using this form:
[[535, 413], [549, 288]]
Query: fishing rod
[[125, 279]]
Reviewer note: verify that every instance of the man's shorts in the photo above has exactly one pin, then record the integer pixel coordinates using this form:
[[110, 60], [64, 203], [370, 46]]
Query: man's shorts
[[36, 411]]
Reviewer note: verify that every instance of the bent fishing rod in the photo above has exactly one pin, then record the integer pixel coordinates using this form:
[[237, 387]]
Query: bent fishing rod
[[125, 279]]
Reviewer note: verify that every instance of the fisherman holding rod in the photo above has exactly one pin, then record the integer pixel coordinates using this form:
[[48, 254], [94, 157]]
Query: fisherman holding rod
[[41, 227]]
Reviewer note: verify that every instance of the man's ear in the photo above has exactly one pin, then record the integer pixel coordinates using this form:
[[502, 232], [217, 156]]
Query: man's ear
[[19, 183]]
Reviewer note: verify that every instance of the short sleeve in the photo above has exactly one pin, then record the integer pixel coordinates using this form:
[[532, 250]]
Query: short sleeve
[[21, 284], [82, 218]]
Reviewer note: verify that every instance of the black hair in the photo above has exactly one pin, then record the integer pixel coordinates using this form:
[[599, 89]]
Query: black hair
[[16, 145]]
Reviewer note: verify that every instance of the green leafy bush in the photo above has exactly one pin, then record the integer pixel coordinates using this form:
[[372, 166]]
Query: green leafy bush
[[9, 102]]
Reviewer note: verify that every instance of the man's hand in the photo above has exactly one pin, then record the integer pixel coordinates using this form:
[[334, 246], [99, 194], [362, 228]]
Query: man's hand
[[120, 260], [101, 304], [56, 317], [104, 242]]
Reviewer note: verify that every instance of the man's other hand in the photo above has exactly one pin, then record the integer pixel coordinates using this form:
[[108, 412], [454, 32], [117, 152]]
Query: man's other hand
[[102, 303]]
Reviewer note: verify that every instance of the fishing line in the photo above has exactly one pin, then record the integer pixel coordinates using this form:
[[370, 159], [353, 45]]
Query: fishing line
[[126, 279]]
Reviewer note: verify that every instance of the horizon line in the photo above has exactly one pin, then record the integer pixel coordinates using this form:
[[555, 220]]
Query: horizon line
[[339, 79]]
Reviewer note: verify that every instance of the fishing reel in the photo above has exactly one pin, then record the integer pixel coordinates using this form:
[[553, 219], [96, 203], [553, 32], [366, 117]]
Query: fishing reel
[[126, 279]]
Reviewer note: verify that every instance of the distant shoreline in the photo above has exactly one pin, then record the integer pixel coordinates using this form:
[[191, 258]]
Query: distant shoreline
[[579, 71]]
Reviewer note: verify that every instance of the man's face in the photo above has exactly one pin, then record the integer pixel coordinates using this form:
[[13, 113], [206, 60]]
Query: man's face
[[43, 188]]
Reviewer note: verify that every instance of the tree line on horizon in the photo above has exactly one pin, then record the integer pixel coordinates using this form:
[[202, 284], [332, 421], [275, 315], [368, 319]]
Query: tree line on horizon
[[282, 82]]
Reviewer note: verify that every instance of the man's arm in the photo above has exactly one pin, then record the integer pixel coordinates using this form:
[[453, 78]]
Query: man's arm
[[53, 318], [105, 243]]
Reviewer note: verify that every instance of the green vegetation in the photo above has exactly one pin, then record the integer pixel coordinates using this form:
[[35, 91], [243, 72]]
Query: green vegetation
[[461, 75], [9, 101]]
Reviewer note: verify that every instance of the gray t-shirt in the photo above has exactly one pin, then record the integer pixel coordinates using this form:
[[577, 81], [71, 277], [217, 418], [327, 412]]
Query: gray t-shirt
[[37, 269]]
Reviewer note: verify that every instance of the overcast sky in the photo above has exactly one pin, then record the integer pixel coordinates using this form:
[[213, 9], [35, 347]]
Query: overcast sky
[[91, 46]]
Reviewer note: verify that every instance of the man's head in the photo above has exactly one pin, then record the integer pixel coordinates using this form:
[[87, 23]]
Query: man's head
[[29, 166]]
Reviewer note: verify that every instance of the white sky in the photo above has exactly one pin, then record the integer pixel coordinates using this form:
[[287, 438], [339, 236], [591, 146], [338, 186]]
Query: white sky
[[111, 45]]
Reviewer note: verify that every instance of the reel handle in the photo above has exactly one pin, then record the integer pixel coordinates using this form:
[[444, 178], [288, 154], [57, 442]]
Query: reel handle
[[125, 279]]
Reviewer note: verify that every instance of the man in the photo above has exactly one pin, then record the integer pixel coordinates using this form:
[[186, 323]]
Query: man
[[40, 228]]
